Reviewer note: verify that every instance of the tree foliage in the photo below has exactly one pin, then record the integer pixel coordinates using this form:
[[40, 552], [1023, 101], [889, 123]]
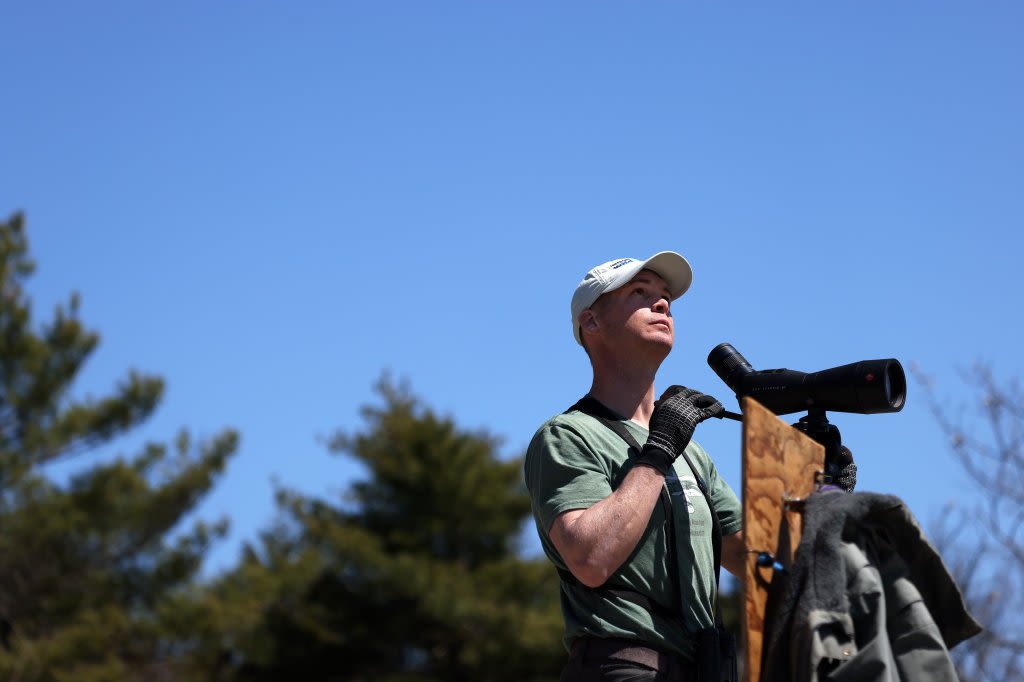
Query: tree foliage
[[413, 574], [984, 541], [88, 567]]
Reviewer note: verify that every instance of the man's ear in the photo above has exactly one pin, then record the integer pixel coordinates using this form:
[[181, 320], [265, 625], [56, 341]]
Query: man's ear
[[588, 320]]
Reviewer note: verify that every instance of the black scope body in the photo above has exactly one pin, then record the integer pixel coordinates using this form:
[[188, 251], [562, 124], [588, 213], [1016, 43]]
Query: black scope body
[[865, 387]]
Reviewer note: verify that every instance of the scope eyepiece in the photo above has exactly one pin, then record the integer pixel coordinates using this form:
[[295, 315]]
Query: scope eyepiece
[[728, 364]]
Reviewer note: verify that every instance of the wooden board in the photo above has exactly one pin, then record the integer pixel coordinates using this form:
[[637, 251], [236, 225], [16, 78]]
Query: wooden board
[[779, 462]]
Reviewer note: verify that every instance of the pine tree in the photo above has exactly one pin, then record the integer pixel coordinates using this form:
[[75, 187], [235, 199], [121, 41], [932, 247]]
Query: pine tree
[[414, 574], [89, 570]]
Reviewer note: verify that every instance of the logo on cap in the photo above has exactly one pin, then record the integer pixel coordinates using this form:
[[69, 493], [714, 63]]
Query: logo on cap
[[620, 263]]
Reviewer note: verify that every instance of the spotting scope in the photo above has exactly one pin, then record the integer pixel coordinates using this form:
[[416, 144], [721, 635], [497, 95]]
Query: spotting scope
[[865, 387]]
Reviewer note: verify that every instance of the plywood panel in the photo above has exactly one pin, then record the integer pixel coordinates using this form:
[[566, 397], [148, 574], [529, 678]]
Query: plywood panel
[[779, 462]]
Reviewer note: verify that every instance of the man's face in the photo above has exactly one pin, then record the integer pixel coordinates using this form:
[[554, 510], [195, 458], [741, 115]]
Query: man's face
[[637, 313]]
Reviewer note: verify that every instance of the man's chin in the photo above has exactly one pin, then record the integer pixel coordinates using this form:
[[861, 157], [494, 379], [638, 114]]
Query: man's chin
[[663, 336], [664, 342]]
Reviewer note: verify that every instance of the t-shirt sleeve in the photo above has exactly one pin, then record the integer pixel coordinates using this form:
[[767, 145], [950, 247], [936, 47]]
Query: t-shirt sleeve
[[563, 472], [727, 505]]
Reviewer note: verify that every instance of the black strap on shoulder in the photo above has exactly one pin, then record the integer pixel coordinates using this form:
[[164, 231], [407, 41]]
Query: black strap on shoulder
[[591, 406], [716, 527], [716, 533], [600, 412]]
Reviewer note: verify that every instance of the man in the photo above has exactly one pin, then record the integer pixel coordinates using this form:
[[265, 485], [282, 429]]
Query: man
[[636, 563]]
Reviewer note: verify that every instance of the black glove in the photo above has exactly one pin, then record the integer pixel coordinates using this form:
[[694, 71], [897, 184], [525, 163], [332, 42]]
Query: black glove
[[676, 415], [843, 471]]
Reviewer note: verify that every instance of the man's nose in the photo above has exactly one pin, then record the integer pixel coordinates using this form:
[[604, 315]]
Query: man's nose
[[661, 305]]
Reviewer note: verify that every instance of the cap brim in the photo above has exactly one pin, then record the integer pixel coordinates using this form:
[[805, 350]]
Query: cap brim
[[672, 268]]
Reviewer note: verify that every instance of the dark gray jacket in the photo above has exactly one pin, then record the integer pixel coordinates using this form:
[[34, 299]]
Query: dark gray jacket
[[867, 598]]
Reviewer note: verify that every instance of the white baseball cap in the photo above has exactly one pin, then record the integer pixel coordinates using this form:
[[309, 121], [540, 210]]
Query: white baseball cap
[[669, 265]]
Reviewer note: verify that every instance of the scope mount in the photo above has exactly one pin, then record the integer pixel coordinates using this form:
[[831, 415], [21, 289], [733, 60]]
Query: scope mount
[[816, 426]]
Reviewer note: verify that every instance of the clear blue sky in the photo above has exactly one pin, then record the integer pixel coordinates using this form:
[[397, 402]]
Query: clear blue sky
[[269, 204]]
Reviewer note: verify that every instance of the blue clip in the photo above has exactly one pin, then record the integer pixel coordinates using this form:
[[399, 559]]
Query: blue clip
[[766, 560]]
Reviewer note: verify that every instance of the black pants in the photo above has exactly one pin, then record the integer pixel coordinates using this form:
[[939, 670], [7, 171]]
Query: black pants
[[601, 660]]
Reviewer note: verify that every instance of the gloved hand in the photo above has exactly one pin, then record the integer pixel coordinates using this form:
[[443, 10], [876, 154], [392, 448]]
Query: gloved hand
[[676, 415], [844, 472]]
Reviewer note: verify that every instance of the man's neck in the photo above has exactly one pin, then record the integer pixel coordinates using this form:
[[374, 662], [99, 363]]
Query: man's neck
[[630, 392]]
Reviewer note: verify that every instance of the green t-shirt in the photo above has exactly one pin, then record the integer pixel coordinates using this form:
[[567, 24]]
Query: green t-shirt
[[575, 461]]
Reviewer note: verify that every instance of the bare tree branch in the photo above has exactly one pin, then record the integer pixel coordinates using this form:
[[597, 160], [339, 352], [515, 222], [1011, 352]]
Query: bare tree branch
[[984, 542]]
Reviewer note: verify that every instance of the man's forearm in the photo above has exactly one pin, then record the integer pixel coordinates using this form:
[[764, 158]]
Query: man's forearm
[[734, 554], [595, 542]]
